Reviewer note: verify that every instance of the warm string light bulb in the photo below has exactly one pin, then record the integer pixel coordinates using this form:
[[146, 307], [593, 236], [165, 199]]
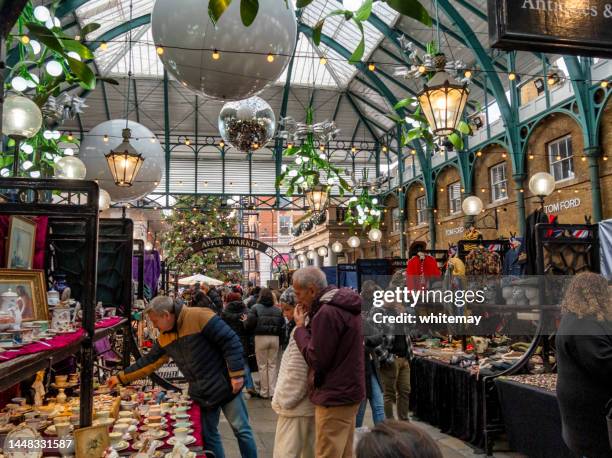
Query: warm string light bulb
[[105, 138], [511, 76], [70, 137], [371, 67], [604, 84], [160, 50], [270, 57], [323, 60], [468, 74], [422, 69], [216, 55], [103, 46], [25, 39], [222, 144]]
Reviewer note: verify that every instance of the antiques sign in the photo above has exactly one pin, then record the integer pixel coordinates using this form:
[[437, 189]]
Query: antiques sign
[[580, 27]]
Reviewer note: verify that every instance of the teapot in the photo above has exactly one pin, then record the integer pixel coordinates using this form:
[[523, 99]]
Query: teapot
[[9, 304]]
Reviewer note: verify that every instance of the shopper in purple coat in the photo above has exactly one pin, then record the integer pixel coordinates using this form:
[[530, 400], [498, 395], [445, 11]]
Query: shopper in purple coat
[[329, 335]]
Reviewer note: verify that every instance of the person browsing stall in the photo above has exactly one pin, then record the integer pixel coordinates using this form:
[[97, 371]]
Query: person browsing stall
[[210, 356]]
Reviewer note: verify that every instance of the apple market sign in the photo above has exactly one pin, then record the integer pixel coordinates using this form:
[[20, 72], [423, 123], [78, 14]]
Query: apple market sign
[[579, 27], [562, 205]]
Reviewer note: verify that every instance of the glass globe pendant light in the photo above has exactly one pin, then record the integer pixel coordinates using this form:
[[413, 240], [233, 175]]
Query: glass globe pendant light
[[471, 205], [71, 168], [542, 184], [337, 247], [104, 200], [354, 241], [21, 119], [375, 234], [443, 100]]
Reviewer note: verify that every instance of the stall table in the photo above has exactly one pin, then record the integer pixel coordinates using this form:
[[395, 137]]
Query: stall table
[[532, 419], [18, 365], [448, 397]]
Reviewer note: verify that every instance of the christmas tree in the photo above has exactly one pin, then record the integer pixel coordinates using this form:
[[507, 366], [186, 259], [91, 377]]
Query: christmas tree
[[194, 220]]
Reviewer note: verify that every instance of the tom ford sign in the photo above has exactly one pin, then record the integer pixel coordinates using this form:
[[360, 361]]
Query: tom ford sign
[[582, 27], [562, 205]]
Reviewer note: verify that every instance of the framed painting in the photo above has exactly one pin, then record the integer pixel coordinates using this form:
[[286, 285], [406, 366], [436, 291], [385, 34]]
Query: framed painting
[[21, 241], [28, 292], [91, 442]]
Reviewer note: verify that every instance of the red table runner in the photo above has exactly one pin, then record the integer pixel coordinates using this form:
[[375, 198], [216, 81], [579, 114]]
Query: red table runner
[[56, 342]]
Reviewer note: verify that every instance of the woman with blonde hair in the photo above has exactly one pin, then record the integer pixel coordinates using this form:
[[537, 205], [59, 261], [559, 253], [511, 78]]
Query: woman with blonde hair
[[584, 365]]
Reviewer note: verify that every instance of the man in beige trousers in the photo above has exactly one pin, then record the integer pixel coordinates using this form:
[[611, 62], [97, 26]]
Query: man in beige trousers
[[332, 345]]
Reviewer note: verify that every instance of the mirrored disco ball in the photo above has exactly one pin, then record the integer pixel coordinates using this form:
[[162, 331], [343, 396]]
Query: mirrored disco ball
[[93, 148], [240, 67], [247, 125]]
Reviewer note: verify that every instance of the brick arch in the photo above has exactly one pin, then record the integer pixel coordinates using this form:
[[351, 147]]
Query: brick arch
[[534, 125], [443, 178], [548, 129]]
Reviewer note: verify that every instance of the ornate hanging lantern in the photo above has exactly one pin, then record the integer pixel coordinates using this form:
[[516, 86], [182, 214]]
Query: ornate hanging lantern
[[443, 99], [124, 161], [316, 197]]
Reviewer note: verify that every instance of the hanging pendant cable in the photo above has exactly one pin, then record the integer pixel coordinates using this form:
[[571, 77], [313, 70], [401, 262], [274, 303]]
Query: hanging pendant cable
[[129, 46], [438, 28]]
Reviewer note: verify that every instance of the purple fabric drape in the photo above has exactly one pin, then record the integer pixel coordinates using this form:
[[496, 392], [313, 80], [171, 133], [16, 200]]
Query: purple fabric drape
[[152, 271]]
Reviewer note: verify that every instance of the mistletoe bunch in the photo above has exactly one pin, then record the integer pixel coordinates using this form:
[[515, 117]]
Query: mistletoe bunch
[[312, 167], [44, 63]]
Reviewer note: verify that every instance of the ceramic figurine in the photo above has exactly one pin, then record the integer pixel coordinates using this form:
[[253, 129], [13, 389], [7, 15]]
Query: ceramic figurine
[[39, 388]]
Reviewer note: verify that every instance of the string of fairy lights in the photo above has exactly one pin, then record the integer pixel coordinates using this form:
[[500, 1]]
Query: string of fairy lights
[[372, 65]]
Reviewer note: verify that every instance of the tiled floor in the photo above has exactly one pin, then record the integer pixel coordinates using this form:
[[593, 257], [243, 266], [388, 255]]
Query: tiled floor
[[263, 421]]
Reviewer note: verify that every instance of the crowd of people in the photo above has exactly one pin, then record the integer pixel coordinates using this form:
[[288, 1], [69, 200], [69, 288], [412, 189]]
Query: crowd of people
[[320, 363]]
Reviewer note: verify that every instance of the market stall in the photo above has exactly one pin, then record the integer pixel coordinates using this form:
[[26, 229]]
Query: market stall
[[50, 368]]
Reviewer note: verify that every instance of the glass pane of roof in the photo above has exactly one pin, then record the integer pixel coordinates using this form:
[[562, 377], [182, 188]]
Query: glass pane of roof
[[145, 61], [111, 13], [307, 67]]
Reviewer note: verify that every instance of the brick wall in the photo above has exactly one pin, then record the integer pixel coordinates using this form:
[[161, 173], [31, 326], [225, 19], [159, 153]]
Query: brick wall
[[566, 195], [414, 232]]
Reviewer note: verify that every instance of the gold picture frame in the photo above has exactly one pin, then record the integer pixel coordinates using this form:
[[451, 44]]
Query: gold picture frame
[[29, 285], [91, 442], [21, 243]]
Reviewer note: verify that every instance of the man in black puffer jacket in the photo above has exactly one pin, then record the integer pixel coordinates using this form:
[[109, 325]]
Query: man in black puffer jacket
[[233, 314], [266, 319], [209, 354]]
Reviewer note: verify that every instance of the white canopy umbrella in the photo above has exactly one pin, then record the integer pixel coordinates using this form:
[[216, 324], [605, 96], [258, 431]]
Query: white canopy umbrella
[[199, 278]]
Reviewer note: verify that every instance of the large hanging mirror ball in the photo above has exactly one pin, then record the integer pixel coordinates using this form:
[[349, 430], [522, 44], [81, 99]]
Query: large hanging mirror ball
[[106, 136], [247, 125], [229, 61]]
